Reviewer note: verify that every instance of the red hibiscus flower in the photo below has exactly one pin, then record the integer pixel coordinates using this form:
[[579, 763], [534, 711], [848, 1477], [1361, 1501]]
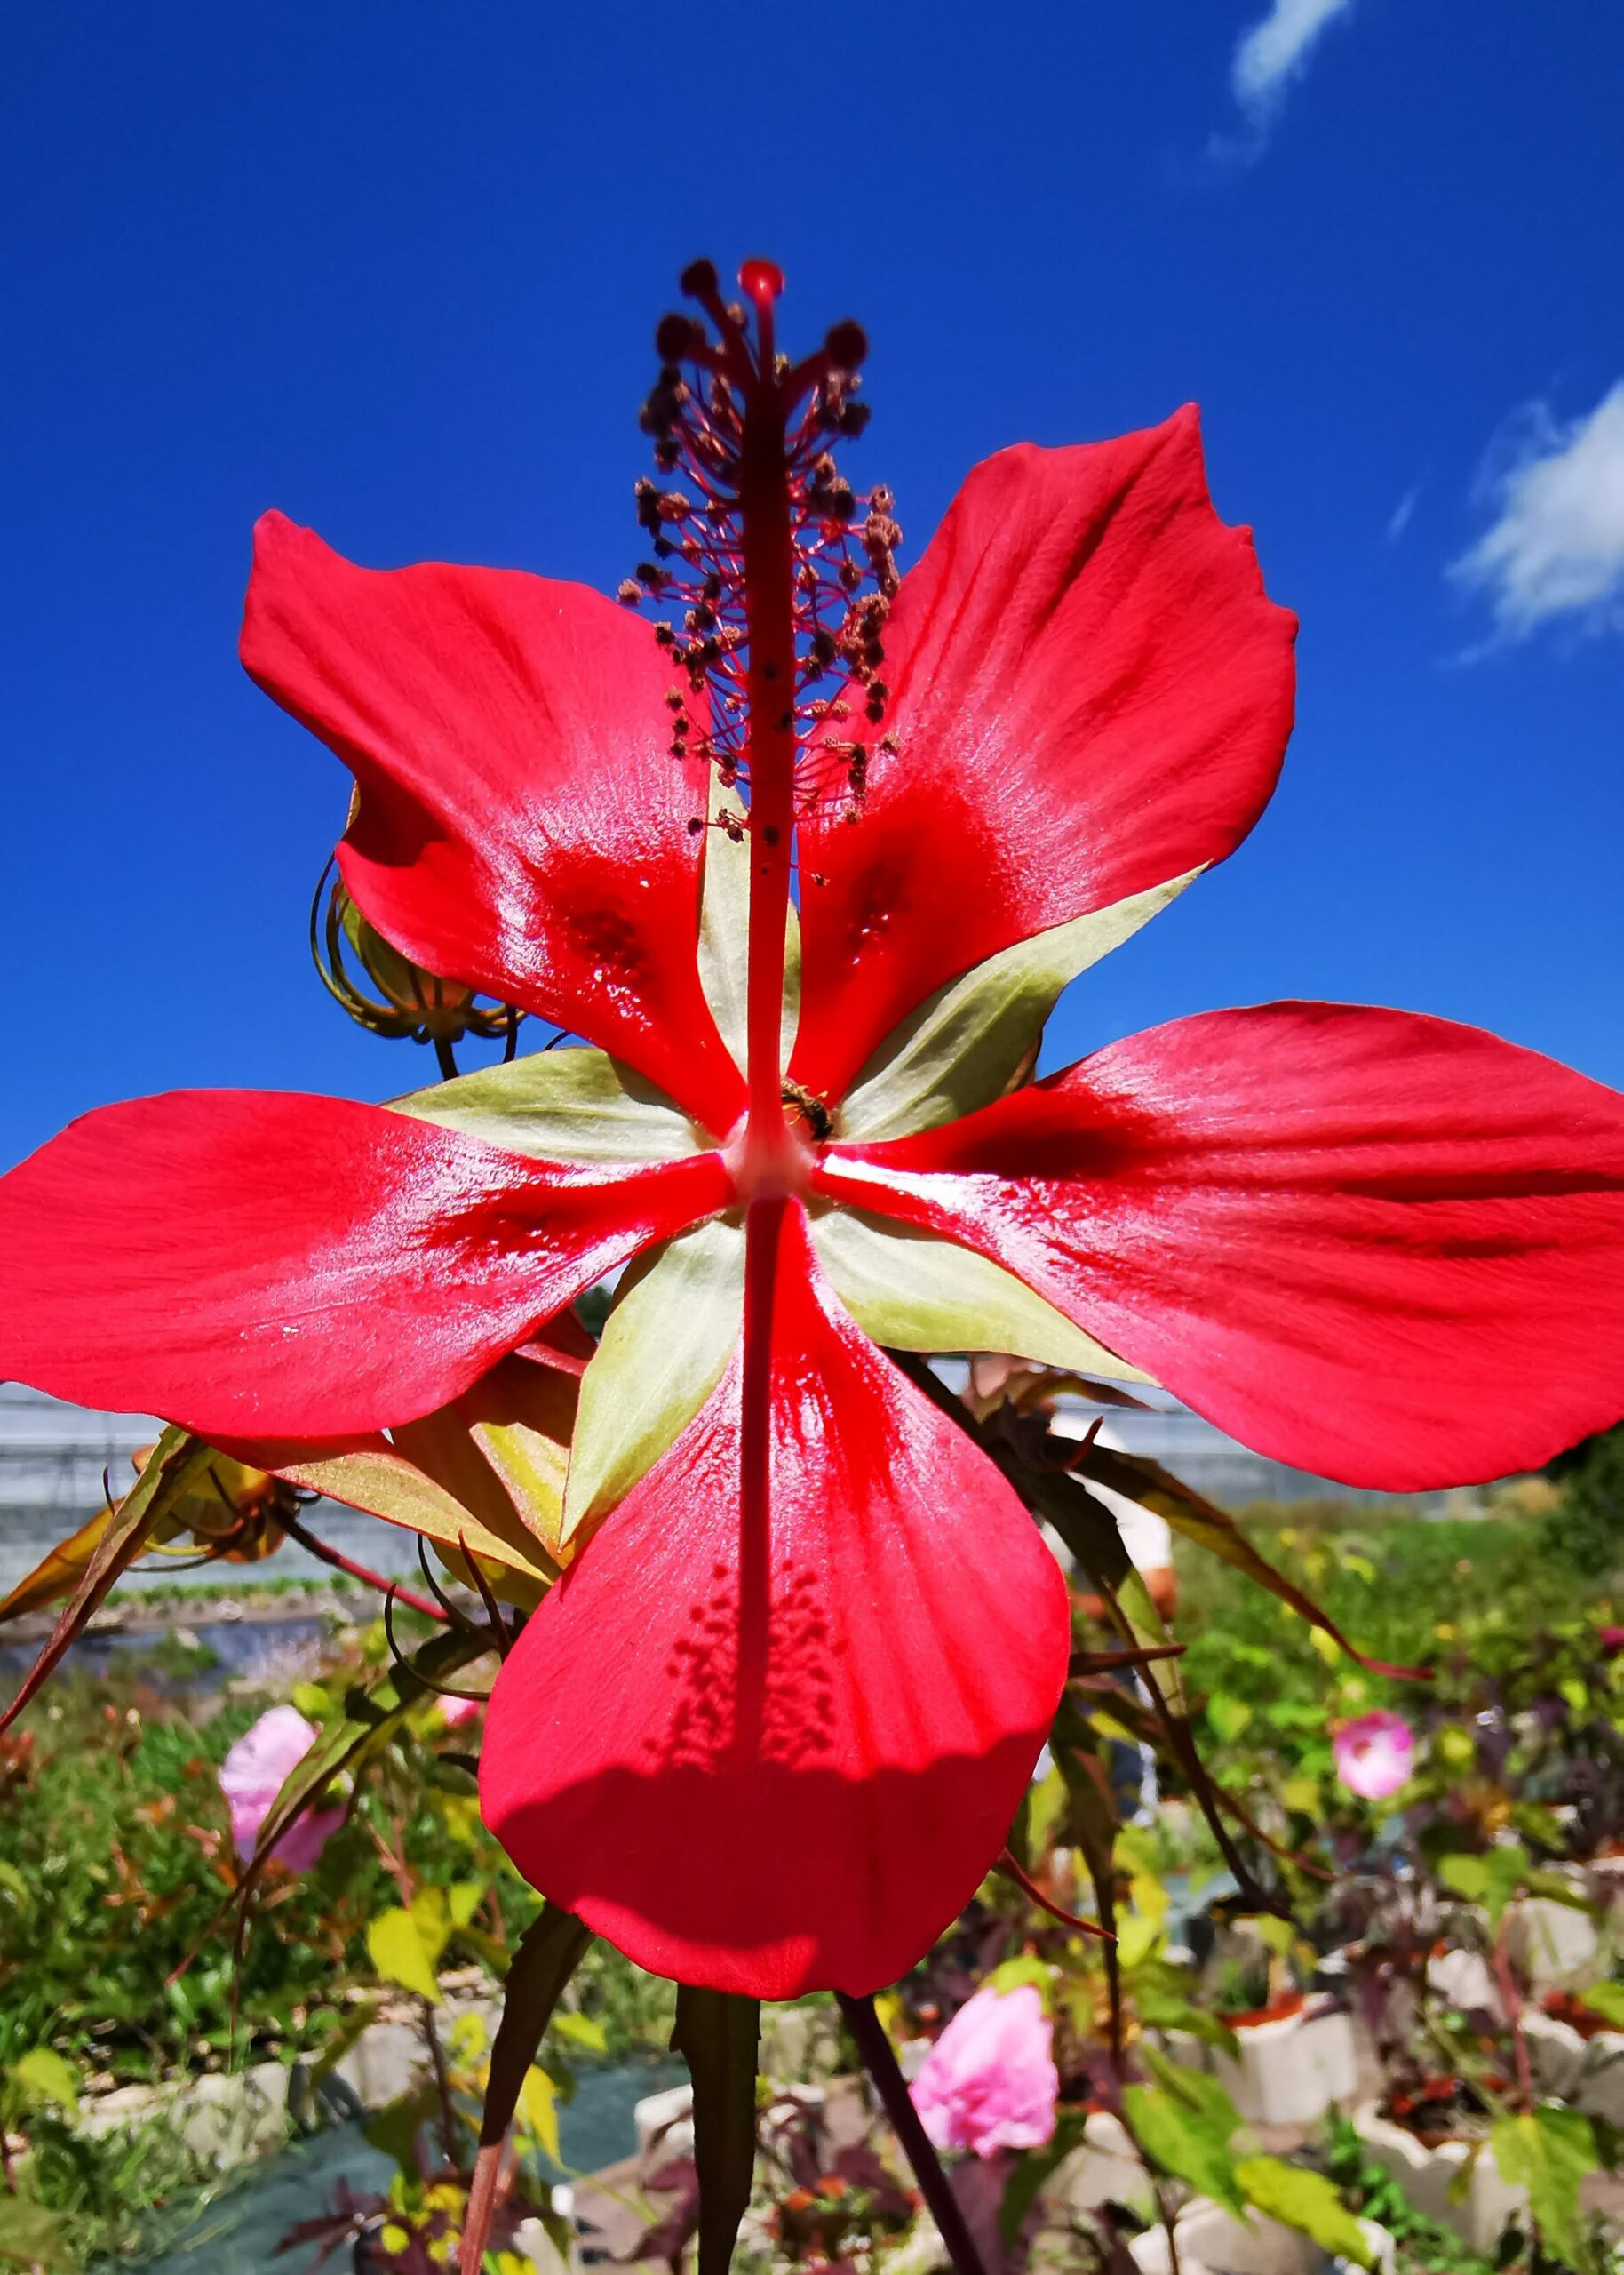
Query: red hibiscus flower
[[771, 1727]]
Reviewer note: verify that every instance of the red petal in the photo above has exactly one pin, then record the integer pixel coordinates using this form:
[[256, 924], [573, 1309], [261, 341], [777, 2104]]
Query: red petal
[[1092, 696], [252, 1264], [523, 826], [915, 1648], [1382, 1248]]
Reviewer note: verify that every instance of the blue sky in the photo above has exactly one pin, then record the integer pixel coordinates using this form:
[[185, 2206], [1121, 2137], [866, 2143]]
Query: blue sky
[[395, 267]]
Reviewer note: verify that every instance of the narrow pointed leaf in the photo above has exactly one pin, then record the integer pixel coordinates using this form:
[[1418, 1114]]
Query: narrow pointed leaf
[[967, 1044], [371, 1716], [911, 1290], [59, 1571], [664, 1347], [176, 1460], [1209, 1528], [717, 2035], [549, 1951]]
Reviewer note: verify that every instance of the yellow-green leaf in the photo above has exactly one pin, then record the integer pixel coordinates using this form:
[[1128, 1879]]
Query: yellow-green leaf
[[582, 2031], [1307, 2201], [395, 1946], [45, 2076], [1549, 2154], [538, 2110]]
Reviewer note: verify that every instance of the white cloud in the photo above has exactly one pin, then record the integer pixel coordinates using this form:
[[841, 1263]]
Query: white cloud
[[1275, 51], [1402, 514], [1556, 552]]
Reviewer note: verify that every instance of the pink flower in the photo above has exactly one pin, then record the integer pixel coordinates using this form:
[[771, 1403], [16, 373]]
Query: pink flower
[[456, 1714], [990, 2082], [1611, 1641], [252, 1774], [1373, 1755]]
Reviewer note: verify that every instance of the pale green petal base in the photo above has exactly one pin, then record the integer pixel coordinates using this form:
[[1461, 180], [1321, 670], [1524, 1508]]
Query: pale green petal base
[[665, 1346], [966, 1044], [915, 1291], [572, 1105]]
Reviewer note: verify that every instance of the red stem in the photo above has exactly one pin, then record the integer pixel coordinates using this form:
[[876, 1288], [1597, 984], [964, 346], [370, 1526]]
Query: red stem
[[770, 620], [342, 1563]]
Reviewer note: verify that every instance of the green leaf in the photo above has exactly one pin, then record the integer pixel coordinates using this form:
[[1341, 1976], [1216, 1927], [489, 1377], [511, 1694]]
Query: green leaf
[[1184, 2143], [911, 1290], [399, 1951], [463, 1899], [45, 2076], [724, 934], [30, 2236], [357, 2020], [1491, 1879], [665, 1346], [1607, 2001], [176, 1460], [964, 1044], [1010, 1974], [394, 2129], [717, 2035], [1198, 2089], [1549, 2154], [582, 2031], [573, 1104], [1229, 1717], [1307, 2201]]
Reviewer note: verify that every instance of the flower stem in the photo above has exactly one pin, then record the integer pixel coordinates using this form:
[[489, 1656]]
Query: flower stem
[[889, 2084], [323, 1555]]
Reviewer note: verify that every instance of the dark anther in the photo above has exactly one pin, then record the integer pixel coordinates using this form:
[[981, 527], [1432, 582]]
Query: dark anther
[[846, 345], [695, 823], [675, 336], [698, 279], [628, 591]]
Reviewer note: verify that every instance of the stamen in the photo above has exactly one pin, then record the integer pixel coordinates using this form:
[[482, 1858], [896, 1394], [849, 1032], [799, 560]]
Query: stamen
[[716, 381]]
